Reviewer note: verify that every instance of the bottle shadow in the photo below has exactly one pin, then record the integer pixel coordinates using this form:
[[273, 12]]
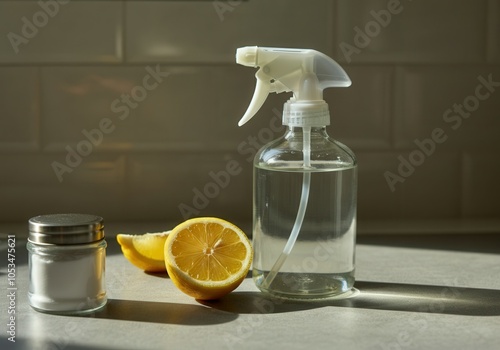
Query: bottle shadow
[[162, 312], [376, 296]]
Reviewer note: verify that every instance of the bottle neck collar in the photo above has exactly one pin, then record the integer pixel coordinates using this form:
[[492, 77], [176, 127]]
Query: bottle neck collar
[[296, 131], [306, 113]]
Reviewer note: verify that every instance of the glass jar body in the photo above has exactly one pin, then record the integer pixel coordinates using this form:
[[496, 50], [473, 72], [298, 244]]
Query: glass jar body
[[67, 279]]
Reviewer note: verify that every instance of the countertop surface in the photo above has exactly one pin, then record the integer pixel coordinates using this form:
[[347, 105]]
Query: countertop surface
[[411, 293]]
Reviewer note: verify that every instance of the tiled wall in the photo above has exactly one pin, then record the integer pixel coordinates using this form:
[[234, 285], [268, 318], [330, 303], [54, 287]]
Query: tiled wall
[[153, 85]]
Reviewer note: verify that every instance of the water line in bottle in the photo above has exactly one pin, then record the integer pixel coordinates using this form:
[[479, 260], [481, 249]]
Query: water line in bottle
[[304, 198]]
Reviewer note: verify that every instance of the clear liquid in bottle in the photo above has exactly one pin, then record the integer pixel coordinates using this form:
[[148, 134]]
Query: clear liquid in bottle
[[321, 263]]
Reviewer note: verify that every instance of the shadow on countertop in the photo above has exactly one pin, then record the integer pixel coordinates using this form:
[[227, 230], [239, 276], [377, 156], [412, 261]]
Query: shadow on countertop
[[376, 296], [162, 312], [480, 243], [30, 344]]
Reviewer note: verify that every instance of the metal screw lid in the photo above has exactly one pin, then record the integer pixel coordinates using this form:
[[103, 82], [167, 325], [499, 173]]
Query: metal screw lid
[[66, 229]]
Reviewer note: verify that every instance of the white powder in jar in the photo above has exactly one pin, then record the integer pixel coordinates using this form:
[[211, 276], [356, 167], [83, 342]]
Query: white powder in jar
[[67, 280]]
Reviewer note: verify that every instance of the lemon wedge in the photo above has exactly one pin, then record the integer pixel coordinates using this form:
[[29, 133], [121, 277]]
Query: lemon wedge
[[144, 251]]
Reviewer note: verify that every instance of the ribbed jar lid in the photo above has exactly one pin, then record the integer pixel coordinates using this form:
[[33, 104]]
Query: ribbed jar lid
[[66, 229]]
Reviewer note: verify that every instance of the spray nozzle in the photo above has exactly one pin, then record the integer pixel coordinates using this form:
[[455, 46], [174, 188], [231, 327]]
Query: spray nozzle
[[304, 72]]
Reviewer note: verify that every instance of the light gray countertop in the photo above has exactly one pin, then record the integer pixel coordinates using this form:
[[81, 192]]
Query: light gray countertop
[[407, 298]]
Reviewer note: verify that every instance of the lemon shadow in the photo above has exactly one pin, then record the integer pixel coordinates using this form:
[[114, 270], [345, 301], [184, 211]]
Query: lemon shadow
[[162, 312], [162, 274]]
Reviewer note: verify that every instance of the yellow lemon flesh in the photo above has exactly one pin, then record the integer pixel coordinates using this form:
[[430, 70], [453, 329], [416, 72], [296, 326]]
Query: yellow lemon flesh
[[207, 258], [145, 251]]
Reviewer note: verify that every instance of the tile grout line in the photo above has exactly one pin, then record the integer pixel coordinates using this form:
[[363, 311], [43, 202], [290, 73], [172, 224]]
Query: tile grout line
[[461, 180], [123, 33], [39, 104], [393, 108]]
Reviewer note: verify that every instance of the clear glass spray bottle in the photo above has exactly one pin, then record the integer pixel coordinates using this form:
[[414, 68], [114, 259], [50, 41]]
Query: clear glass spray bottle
[[305, 183]]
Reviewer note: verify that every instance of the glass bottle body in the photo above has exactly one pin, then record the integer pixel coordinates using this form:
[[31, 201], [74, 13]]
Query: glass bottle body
[[321, 262]]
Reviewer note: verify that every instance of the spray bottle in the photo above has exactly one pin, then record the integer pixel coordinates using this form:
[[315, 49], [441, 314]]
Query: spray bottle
[[305, 183]]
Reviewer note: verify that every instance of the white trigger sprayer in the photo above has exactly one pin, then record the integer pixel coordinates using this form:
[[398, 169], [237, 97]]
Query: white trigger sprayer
[[306, 73]]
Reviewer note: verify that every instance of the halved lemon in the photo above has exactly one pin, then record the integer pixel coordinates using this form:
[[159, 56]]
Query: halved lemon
[[207, 257], [145, 251]]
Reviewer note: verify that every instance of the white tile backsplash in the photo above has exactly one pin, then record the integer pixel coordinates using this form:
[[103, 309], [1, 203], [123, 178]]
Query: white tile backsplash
[[464, 103], [481, 185], [411, 31], [53, 32], [92, 66], [361, 114], [29, 186], [178, 186], [149, 107], [209, 31], [429, 191], [19, 115], [494, 31]]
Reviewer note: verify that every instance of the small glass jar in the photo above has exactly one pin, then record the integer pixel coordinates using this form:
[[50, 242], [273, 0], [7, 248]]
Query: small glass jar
[[66, 263]]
